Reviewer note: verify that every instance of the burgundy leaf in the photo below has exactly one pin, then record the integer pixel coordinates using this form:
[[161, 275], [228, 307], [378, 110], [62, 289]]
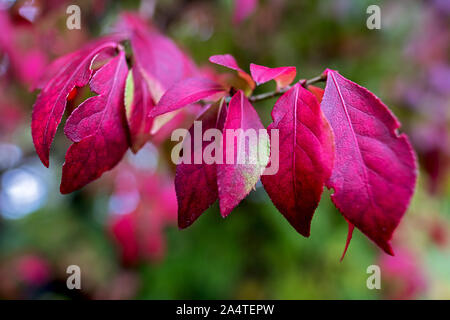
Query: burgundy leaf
[[375, 171], [98, 128], [283, 76], [235, 178], [51, 102], [163, 62], [306, 153], [138, 103], [194, 179], [187, 92], [228, 61]]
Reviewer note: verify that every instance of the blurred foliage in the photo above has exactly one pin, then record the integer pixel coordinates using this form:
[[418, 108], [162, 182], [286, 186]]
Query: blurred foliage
[[254, 253]]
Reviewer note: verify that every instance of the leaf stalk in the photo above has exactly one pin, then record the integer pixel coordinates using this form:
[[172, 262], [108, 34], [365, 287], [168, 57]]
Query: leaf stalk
[[277, 93]]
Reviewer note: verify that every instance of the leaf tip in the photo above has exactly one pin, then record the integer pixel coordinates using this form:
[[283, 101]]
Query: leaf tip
[[388, 249], [224, 210], [64, 189], [45, 160], [351, 227], [183, 224]]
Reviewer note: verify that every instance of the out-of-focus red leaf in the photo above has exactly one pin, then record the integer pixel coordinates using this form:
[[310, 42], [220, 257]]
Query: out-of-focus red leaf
[[235, 179], [243, 9], [306, 154], [228, 61], [11, 115], [404, 274], [283, 76], [187, 92], [140, 104], [33, 269], [27, 60], [98, 128], [432, 143], [374, 172], [139, 229], [123, 229], [196, 179], [439, 232], [163, 62]]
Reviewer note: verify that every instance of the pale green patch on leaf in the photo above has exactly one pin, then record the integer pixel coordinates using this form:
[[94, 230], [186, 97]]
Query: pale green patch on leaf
[[129, 94]]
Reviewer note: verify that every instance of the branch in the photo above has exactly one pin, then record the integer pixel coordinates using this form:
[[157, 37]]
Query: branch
[[304, 83]]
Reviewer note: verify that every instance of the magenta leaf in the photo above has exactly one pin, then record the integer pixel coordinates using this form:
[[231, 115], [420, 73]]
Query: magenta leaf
[[283, 76], [51, 102], [163, 62], [138, 103], [240, 172], [54, 68], [187, 92], [98, 128], [194, 179], [374, 172], [25, 56], [243, 9], [306, 153], [228, 61]]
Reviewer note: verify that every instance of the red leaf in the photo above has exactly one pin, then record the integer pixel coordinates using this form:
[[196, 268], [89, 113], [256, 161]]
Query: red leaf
[[194, 179], [317, 92], [163, 62], [124, 229], [228, 61], [51, 102], [21, 45], [137, 109], [406, 275], [235, 178], [143, 204], [306, 155], [351, 227], [243, 9], [375, 171], [53, 69], [98, 128], [187, 92], [12, 115], [283, 76]]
